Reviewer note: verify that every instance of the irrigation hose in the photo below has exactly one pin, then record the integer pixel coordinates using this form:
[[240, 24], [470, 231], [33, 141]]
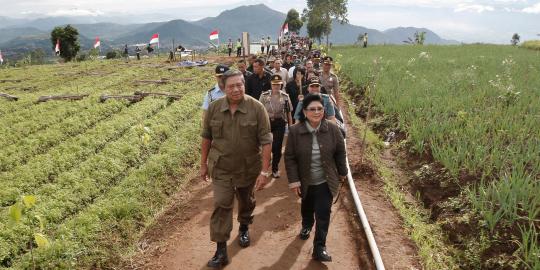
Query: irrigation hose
[[363, 219]]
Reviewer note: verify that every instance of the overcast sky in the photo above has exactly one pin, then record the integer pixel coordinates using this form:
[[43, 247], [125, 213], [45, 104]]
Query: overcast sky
[[463, 20]]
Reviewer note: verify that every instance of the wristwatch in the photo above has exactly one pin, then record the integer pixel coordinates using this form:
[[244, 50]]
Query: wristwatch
[[265, 174]]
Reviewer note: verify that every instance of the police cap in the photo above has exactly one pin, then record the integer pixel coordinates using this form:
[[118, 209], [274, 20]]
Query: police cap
[[314, 81], [276, 79], [220, 69], [328, 60]]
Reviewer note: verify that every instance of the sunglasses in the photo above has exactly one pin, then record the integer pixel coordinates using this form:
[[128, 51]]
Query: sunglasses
[[315, 109]]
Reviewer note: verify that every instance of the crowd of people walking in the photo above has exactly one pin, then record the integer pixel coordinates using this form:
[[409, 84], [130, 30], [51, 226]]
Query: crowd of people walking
[[285, 91]]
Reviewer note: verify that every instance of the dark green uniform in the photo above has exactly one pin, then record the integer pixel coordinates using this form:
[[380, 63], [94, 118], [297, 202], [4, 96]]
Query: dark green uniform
[[234, 160]]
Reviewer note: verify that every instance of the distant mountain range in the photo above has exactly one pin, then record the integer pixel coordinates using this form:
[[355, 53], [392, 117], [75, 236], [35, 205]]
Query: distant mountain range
[[20, 35]]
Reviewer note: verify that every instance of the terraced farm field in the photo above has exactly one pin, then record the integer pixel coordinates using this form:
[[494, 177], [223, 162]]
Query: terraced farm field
[[94, 181], [470, 118], [99, 172]]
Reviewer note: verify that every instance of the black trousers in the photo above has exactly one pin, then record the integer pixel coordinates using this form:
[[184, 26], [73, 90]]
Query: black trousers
[[238, 51], [230, 51], [277, 127], [318, 202]]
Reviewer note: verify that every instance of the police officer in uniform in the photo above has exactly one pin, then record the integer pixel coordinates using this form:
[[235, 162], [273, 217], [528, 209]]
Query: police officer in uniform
[[314, 88], [215, 92], [235, 154], [278, 105], [328, 79]]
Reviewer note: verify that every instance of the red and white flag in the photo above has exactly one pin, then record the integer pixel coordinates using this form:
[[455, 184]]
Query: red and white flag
[[1, 58], [214, 35], [285, 28], [97, 43], [154, 39], [57, 47]]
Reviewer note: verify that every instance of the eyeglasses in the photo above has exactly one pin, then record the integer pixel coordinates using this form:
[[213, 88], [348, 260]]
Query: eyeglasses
[[315, 109]]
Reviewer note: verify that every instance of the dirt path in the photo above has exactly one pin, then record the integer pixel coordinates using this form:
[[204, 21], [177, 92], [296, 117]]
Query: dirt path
[[180, 237], [180, 240]]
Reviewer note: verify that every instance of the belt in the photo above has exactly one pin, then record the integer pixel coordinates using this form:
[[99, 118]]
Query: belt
[[276, 119]]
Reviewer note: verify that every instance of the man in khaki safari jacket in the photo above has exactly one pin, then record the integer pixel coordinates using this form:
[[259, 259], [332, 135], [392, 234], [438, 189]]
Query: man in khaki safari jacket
[[236, 149]]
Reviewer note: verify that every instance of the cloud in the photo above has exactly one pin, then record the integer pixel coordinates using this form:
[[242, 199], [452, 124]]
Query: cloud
[[535, 9], [473, 8], [75, 12]]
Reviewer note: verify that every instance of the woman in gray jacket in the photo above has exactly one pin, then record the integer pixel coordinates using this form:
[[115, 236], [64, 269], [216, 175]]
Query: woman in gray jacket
[[315, 163]]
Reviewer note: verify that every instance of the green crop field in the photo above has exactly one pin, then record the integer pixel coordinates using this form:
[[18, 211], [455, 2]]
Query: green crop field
[[531, 44], [99, 172], [474, 109]]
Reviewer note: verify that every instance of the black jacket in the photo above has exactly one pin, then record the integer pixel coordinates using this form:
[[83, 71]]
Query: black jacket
[[293, 90], [256, 85]]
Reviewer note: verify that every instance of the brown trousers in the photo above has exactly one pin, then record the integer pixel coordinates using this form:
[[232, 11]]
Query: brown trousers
[[221, 220]]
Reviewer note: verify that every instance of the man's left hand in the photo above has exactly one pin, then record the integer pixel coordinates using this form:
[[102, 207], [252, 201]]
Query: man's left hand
[[261, 182]]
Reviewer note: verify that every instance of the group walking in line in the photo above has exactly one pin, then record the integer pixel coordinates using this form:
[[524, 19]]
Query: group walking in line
[[289, 91]]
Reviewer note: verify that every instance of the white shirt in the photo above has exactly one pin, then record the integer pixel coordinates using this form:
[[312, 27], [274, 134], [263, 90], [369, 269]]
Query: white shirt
[[290, 73]]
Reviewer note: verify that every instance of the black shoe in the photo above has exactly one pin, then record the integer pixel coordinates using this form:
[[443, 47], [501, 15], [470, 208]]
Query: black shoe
[[320, 254], [243, 238], [304, 233], [219, 259]]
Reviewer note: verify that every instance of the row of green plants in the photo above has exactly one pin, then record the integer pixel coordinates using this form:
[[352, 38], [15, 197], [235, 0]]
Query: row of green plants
[[85, 185], [22, 125], [99, 235], [60, 79], [46, 167], [531, 44], [475, 109], [18, 153], [95, 176], [116, 84]]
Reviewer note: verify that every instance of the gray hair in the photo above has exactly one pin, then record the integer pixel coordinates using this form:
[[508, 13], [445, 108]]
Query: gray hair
[[231, 73]]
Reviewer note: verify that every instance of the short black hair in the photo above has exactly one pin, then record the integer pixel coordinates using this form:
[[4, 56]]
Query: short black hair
[[260, 61], [310, 98], [300, 69]]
